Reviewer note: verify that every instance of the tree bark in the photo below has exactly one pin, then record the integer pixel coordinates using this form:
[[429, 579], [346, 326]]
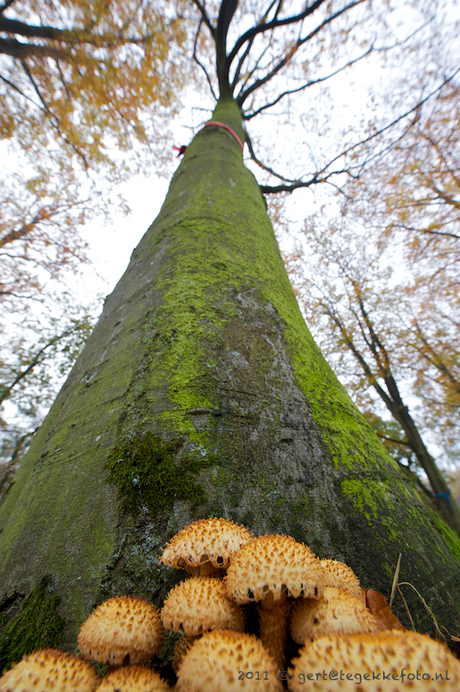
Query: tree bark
[[202, 343]]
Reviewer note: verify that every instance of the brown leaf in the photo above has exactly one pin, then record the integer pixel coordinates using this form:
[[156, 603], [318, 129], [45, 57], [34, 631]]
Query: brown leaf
[[377, 604], [375, 601]]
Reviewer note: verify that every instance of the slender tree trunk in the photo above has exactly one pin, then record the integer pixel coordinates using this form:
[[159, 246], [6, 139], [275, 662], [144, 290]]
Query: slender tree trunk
[[448, 506], [202, 344]]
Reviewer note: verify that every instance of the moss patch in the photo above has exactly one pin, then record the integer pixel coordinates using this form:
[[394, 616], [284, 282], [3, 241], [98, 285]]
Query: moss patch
[[149, 473], [36, 626]]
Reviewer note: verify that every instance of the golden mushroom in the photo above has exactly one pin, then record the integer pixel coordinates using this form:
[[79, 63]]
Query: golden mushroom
[[133, 679], [267, 570], [50, 670], [121, 631], [199, 604], [206, 546], [336, 612], [182, 647], [391, 661], [338, 574], [227, 661]]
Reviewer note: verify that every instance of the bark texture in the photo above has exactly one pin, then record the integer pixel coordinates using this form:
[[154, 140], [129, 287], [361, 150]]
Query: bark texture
[[202, 344]]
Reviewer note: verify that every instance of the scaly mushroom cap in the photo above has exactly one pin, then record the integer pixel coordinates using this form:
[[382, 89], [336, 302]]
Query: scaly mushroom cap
[[211, 541], [121, 630], [133, 679], [407, 655], [340, 575], [274, 564], [200, 604], [336, 612], [225, 660], [183, 645], [50, 669]]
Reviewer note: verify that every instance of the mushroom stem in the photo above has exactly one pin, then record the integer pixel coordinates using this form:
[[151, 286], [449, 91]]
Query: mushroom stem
[[273, 618]]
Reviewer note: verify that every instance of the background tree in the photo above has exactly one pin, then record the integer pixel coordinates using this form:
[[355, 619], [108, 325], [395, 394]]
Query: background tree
[[201, 349], [37, 354], [390, 246], [362, 316]]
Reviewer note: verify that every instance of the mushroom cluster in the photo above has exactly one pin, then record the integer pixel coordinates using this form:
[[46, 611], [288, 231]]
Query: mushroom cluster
[[319, 601], [123, 633], [350, 639]]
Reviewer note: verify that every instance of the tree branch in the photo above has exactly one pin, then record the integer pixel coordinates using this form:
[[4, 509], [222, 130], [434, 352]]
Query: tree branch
[[322, 176], [54, 120], [393, 441], [260, 28], [24, 230], [195, 57], [251, 41], [259, 82], [12, 47], [305, 86], [14, 26], [205, 17]]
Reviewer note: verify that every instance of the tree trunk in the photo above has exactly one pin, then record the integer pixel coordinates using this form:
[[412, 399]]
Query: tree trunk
[[202, 344], [447, 506]]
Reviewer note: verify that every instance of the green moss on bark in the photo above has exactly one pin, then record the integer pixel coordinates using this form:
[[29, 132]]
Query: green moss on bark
[[36, 626], [151, 475]]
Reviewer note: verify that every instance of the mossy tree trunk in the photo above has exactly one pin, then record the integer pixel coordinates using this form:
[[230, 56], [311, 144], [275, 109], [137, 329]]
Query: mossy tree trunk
[[203, 388]]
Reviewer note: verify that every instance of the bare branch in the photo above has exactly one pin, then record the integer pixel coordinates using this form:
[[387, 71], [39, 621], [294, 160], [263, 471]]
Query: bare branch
[[398, 119], [5, 390], [14, 26], [262, 165], [200, 64], [251, 42], [259, 82], [240, 64], [321, 176], [393, 441], [205, 17], [12, 47], [260, 28], [427, 231], [305, 86]]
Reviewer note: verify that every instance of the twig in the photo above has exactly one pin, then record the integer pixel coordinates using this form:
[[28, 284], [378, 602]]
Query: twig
[[407, 609], [406, 583], [395, 581]]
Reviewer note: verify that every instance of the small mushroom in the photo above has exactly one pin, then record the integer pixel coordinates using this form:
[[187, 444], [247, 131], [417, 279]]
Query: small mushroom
[[340, 575], [121, 631], [225, 660], [336, 612], [50, 670], [205, 547], [182, 647], [133, 679], [199, 604], [267, 570], [341, 662]]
